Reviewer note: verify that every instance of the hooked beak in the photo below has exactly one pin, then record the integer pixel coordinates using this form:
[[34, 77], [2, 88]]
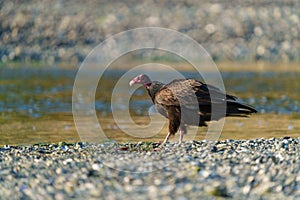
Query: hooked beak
[[132, 82]]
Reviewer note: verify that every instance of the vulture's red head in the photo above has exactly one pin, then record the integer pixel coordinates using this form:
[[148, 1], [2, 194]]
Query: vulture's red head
[[141, 79]]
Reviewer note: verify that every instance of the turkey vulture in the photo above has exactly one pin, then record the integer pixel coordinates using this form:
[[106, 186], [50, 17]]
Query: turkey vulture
[[188, 102]]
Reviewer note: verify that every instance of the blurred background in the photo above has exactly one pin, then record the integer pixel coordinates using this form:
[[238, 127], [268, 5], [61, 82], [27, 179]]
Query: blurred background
[[239, 30], [255, 44]]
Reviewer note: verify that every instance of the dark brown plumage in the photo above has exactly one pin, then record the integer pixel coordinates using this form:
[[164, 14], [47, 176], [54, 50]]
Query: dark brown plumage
[[189, 102]]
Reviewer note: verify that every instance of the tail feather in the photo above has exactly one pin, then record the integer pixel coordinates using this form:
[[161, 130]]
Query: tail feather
[[236, 109]]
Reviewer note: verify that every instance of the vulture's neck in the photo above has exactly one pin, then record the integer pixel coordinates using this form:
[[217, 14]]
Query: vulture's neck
[[153, 88]]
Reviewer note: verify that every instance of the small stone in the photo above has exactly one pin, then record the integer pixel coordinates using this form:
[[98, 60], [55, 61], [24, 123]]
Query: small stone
[[137, 182]]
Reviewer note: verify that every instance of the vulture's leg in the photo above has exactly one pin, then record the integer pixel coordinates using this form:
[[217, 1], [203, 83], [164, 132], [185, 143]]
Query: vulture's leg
[[174, 121], [167, 138], [180, 136], [182, 131]]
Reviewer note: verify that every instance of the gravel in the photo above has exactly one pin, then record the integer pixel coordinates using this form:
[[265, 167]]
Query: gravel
[[237, 169]]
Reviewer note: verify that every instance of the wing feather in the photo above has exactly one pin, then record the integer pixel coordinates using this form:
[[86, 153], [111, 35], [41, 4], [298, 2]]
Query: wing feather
[[191, 94]]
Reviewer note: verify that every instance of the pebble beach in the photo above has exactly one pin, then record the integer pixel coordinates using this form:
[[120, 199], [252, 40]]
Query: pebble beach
[[235, 169]]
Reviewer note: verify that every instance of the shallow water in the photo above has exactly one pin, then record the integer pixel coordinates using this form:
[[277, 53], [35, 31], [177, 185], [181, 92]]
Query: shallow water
[[36, 104]]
